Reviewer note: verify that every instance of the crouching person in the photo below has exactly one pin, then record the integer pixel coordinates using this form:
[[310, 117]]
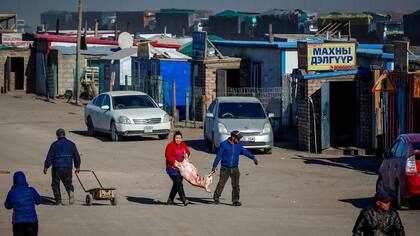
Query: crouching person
[[22, 199]]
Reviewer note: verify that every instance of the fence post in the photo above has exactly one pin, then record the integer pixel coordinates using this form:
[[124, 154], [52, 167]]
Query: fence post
[[174, 110], [187, 108]]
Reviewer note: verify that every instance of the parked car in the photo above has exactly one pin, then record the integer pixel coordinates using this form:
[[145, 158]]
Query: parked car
[[245, 114], [126, 113], [399, 173]]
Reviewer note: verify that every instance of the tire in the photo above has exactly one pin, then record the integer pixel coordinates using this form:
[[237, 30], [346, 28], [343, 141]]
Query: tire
[[114, 133], [90, 127], [89, 200], [268, 151], [114, 200], [163, 136]]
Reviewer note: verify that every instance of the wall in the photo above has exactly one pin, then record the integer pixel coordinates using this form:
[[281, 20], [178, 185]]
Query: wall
[[29, 67], [269, 58]]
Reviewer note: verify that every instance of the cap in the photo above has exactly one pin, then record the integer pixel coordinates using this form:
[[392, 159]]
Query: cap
[[236, 134], [60, 132], [383, 196]]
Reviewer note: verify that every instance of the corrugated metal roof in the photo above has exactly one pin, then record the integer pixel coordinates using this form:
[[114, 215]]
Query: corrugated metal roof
[[123, 53], [100, 51], [261, 44]]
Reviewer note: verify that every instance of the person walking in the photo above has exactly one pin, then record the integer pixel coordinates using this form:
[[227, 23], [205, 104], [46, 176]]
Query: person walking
[[228, 153], [175, 152], [379, 219], [61, 156], [22, 199]]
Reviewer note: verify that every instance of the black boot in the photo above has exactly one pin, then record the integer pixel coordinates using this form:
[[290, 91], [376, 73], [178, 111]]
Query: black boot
[[57, 200], [170, 202]]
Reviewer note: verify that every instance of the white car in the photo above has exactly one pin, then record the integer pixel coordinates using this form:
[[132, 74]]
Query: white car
[[126, 113]]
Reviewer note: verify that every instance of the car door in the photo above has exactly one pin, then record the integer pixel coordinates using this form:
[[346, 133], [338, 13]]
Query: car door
[[95, 109], [209, 121], [399, 162], [104, 116], [386, 173]]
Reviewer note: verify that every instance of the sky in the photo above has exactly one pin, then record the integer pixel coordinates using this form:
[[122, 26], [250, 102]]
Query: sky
[[30, 10]]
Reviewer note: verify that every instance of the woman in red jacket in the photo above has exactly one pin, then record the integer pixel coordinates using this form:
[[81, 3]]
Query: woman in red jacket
[[176, 150]]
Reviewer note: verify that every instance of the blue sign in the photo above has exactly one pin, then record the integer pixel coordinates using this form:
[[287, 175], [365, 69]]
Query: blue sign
[[199, 45]]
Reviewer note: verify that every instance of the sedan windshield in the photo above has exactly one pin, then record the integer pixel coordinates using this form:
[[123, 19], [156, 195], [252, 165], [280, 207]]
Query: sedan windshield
[[132, 102], [241, 111]]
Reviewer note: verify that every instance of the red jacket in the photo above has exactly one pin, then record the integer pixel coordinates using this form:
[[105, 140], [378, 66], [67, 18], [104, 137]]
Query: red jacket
[[174, 152]]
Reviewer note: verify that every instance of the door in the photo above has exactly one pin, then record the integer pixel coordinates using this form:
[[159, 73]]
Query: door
[[209, 121], [221, 83], [104, 116], [95, 109], [325, 115]]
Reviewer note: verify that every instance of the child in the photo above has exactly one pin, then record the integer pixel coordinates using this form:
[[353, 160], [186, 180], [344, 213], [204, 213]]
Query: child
[[22, 199]]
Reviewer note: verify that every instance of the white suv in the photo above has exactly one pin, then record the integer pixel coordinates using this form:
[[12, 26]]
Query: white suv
[[126, 113]]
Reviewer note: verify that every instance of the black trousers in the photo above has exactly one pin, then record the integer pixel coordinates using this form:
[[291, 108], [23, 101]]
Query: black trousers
[[225, 174], [177, 187], [25, 229], [64, 175]]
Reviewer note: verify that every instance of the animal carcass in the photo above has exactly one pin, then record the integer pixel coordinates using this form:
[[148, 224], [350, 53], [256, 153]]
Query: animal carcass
[[189, 172]]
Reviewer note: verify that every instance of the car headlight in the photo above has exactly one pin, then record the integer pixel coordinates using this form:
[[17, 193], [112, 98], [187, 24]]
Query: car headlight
[[124, 120], [222, 129], [166, 118], [267, 128]]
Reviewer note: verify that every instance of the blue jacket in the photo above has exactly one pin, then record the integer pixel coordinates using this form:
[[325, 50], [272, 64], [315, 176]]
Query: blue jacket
[[22, 200], [62, 154], [230, 154]]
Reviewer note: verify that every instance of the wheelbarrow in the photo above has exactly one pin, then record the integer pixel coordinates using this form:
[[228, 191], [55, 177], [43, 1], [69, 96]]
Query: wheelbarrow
[[98, 193]]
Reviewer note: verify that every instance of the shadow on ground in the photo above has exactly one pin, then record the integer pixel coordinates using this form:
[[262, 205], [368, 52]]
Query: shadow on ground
[[366, 165], [48, 200], [199, 145], [144, 200], [106, 138], [359, 202]]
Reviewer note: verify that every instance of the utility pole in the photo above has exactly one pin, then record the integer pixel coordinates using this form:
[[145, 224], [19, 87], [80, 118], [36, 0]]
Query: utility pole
[[76, 84]]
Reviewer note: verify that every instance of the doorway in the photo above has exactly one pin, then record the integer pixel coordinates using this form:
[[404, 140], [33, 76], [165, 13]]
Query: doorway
[[17, 73], [340, 112]]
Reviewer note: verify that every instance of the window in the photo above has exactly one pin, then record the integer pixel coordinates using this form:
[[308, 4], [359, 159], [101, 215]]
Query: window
[[394, 147], [98, 100], [211, 107], [401, 150], [106, 101], [416, 146], [132, 102], [241, 111]]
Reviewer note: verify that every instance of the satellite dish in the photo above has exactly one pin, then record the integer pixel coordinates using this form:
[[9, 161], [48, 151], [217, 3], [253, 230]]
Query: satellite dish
[[125, 40]]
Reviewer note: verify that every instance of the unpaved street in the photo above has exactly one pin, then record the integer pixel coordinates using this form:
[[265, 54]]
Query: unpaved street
[[288, 193]]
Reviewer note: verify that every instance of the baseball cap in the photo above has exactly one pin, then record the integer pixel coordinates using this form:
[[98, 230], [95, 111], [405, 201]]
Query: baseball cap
[[383, 196], [236, 134]]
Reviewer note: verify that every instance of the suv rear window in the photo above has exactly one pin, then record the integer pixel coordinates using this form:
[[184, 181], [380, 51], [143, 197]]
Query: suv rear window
[[245, 110], [416, 146]]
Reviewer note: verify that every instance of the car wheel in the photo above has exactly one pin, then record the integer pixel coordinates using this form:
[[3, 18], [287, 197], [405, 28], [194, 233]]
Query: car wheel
[[90, 127], [401, 202], [163, 136], [213, 148], [89, 200], [114, 133], [268, 151]]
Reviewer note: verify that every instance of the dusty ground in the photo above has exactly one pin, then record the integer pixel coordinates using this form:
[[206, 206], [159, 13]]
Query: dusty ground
[[289, 193]]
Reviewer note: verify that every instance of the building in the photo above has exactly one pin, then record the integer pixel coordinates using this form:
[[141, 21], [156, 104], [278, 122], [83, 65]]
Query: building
[[389, 31], [232, 24], [282, 22], [179, 22], [411, 27], [67, 20], [135, 22]]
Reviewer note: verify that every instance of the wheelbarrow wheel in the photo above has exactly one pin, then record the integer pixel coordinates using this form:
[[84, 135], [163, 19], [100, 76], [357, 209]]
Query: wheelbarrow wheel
[[114, 201], [89, 199]]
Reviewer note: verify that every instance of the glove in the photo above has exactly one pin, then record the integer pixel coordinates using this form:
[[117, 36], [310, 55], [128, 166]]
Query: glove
[[185, 155], [177, 164], [255, 161]]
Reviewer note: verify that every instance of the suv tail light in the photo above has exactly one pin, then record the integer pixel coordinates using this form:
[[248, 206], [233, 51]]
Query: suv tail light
[[411, 167]]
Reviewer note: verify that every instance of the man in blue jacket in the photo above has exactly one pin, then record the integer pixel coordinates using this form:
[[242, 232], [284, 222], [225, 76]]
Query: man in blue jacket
[[61, 156], [229, 152], [22, 199]]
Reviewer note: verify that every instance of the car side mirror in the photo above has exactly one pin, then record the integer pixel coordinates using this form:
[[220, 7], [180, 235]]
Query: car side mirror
[[105, 107], [210, 115], [160, 105], [270, 115]]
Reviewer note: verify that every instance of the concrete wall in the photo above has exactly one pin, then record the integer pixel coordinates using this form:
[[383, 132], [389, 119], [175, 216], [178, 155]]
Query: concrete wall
[[29, 68], [269, 58]]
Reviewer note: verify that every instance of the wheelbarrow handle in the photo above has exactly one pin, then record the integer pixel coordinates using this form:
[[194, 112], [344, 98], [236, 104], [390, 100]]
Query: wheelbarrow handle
[[93, 172]]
